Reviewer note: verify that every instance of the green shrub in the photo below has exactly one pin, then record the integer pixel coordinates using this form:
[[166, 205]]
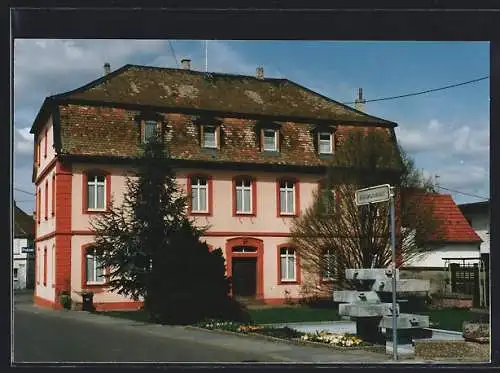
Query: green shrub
[[65, 301]]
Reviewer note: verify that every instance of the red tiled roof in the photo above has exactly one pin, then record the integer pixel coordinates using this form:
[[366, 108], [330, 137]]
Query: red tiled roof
[[453, 227]]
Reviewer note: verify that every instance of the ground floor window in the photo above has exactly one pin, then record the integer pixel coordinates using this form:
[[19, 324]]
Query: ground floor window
[[328, 265], [288, 263], [93, 266], [15, 274]]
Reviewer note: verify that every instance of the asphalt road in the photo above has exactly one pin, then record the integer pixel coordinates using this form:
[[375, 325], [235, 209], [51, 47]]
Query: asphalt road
[[44, 336]]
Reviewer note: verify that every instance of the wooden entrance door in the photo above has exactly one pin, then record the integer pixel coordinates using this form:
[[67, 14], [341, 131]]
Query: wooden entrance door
[[244, 277]]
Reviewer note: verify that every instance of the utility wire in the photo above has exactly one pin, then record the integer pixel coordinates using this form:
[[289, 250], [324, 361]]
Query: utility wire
[[459, 192], [422, 92], [23, 191], [173, 52]]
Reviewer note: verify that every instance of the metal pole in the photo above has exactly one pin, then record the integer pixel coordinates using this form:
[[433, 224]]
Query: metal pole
[[393, 243]]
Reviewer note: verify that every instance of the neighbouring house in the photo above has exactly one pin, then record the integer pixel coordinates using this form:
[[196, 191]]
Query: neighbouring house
[[249, 150], [477, 215], [23, 264], [454, 245]]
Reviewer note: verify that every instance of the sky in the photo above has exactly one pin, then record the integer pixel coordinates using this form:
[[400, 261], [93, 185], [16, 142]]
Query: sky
[[446, 132]]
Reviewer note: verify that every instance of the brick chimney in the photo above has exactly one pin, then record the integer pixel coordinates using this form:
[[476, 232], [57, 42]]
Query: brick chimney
[[359, 103], [259, 72], [186, 64], [107, 68]]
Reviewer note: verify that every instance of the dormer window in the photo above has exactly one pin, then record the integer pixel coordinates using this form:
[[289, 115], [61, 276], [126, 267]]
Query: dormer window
[[210, 132], [149, 132], [270, 140], [324, 138], [209, 137], [325, 142]]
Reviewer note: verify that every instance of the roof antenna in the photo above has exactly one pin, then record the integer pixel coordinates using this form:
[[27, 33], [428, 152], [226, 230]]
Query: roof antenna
[[206, 56], [207, 74]]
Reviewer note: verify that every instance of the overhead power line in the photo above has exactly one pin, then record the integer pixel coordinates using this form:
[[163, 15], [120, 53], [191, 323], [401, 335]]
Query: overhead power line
[[422, 92], [466, 194], [23, 191], [173, 53]]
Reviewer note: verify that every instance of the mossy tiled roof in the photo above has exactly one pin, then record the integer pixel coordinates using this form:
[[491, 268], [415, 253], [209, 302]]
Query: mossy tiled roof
[[175, 88], [101, 118]]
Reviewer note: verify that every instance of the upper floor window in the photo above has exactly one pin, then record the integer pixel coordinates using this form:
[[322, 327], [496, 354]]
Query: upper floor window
[[209, 137], [245, 196], [328, 197], [45, 137], [329, 263], [94, 271], [150, 130], [287, 197], [270, 140], [199, 194], [39, 205], [96, 192], [325, 142]]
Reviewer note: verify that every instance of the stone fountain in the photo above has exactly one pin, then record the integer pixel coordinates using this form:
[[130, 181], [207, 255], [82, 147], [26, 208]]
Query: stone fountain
[[373, 315]]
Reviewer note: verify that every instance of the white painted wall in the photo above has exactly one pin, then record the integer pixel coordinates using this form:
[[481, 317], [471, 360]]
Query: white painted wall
[[434, 258], [481, 224], [20, 263]]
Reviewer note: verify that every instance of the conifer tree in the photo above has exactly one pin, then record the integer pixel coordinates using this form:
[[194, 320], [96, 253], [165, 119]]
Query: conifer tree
[[152, 251]]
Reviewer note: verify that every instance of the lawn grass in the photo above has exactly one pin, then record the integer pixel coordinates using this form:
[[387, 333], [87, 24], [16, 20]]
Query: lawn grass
[[448, 319], [292, 314]]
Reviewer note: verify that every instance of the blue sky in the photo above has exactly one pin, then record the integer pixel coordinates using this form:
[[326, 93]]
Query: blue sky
[[447, 132]]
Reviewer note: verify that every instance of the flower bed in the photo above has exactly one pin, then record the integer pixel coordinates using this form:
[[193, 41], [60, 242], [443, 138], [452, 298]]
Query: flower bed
[[285, 333], [341, 340]]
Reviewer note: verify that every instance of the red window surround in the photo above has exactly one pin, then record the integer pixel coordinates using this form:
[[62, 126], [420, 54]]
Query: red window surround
[[35, 154], [53, 194], [45, 266], [298, 275], [253, 185], [107, 191], [39, 151], [296, 196], [96, 288], [209, 191], [46, 199], [37, 266], [45, 143], [39, 205]]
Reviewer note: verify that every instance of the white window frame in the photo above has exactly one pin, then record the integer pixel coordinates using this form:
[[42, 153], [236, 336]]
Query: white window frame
[[15, 274], [286, 189], [146, 124], [92, 180], [330, 142], [275, 133], [240, 186], [326, 270], [92, 253], [286, 256], [195, 184], [214, 128]]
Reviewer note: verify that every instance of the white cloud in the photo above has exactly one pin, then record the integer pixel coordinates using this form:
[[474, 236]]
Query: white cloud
[[437, 137], [23, 141]]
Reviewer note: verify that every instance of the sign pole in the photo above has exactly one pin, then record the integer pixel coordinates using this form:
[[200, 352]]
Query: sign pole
[[393, 244]]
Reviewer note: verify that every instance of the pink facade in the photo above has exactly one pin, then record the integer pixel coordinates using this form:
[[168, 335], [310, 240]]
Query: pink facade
[[283, 137]]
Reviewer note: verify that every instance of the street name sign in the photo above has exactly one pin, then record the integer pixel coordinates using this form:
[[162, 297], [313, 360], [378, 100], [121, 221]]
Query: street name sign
[[375, 194]]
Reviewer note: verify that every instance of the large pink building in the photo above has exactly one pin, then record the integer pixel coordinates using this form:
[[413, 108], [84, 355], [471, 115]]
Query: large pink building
[[249, 150]]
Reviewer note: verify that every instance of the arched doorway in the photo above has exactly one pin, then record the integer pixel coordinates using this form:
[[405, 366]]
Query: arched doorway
[[244, 260]]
